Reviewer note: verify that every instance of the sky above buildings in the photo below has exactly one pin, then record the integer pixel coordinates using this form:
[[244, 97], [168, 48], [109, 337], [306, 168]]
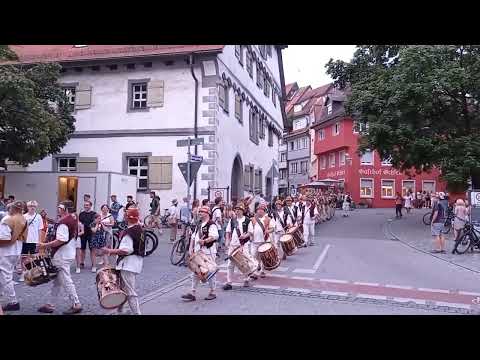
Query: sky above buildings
[[305, 64]]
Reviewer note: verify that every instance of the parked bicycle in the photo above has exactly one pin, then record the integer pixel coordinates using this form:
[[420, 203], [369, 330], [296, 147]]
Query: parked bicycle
[[180, 247], [468, 239], [427, 219], [152, 222], [151, 240]]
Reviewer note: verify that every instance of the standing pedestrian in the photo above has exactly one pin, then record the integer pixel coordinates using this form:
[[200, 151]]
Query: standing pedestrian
[[130, 202], [86, 217], [346, 205], [78, 245], [282, 223], [173, 220], [155, 206], [115, 207], [427, 199], [461, 215], [35, 227], [195, 207], [98, 240], [398, 205], [437, 226], [13, 232], [129, 261], [63, 254], [107, 224], [408, 199]]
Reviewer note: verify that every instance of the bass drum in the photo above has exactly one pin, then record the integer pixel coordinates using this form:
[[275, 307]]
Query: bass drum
[[202, 266], [269, 256], [242, 261], [288, 244]]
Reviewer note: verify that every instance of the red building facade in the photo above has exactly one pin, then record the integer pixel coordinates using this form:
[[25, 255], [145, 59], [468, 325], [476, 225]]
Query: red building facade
[[368, 179]]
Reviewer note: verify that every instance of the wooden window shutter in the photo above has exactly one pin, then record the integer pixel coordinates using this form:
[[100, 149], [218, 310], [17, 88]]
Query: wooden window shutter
[[270, 136], [238, 107], [246, 177], [160, 172], [155, 93], [87, 164], [221, 96], [83, 96]]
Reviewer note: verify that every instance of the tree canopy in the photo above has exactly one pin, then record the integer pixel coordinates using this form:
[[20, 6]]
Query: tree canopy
[[35, 116], [421, 104]]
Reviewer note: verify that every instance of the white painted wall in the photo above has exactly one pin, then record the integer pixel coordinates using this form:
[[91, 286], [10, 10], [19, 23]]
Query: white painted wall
[[110, 95]]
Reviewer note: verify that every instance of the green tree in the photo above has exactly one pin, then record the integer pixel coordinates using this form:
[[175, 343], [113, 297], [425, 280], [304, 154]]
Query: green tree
[[35, 117], [421, 104]]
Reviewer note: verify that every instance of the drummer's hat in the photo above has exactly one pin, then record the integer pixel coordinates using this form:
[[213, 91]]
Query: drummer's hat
[[239, 206], [204, 209]]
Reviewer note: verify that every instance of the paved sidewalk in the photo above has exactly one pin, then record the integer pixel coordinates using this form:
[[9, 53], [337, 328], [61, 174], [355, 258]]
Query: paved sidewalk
[[413, 232]]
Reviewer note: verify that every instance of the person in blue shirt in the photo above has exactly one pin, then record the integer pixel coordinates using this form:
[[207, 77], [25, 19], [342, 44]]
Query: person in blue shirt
[[115, 207]]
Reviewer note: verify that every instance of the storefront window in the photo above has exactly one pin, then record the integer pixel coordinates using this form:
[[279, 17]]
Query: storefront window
[[408, 185], [366, 188], [388, 188]]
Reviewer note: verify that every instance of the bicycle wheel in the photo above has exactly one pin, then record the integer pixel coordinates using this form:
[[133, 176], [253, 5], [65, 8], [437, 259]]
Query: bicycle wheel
[[151, 242], [149, 222], [426, 218], [178, 251], [463, 244]]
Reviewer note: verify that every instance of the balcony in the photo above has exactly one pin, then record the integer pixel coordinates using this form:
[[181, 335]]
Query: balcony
[[282, 165]]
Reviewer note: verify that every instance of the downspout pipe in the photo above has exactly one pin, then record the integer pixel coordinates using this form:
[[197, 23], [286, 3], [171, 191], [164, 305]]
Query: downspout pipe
[[195, 123]]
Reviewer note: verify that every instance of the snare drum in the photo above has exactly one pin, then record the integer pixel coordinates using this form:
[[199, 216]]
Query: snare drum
[[110, 294], [204, 267], [269, 256], [246, 264], [288, 244], [39, 270], [297, 236]]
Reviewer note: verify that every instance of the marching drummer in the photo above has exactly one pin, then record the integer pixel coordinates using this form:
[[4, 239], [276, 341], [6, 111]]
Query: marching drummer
[[129, 261], [62, 250], [291, 210], [282, 222], [203, 239], [311, 215], [236, 235], [260, 228], [13, 232]]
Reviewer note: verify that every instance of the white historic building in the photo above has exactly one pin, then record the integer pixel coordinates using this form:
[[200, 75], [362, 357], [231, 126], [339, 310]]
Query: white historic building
[[132, 103]]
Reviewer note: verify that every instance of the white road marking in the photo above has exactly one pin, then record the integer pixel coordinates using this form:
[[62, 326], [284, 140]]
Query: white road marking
[[335, 281], [366, 283], [306, 291], [222, 271], [321, 257], [304, 271], [236, 284], [266, 287], [455, 305], [278, 275], [435, 290], [334, 293], [399, 287], [301, 278], [283, 269], [417, 301], [368, 296], [468, 293]]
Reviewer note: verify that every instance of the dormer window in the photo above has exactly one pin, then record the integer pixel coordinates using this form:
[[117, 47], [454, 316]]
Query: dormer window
[[297, 108], [329, 108]]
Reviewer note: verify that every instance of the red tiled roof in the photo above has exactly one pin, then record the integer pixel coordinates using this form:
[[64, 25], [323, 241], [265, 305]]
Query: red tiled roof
[[305, 95], [296, 98], [289, 87], [63, 53]]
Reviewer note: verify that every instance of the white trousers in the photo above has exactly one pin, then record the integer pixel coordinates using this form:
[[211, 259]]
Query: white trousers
[[212, 283], [7, 267], [127, 279], [256, 256], [64, 281], [308, 232], [276, 241], [231, 265]]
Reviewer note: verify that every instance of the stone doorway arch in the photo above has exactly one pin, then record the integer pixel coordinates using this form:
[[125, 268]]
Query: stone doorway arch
[[237, 179]]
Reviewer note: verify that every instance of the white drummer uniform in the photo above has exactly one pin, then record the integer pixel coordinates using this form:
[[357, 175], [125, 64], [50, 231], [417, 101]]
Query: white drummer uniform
[[291, 216], [9, 256], [63, 259], [234, 243], [130, 266], [309, 225], [210, 252], [279, 230], [258, 237]]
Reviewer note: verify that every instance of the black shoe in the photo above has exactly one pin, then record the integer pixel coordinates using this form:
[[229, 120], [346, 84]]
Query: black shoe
[[227, 287], [189, 297], [11, 307]]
